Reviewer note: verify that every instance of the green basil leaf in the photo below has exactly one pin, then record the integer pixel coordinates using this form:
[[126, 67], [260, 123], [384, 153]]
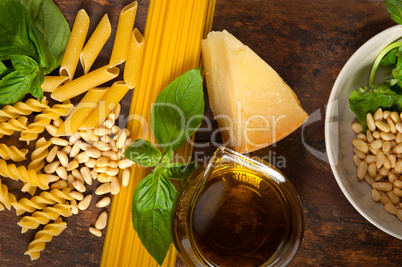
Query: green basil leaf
[[178, 110], [151, 210], [14, 86], [24, 64], [15, 27], [179, 171], [167, 158], [394, 8], [51, 23], [36, 88], [3, 69], [390, 58], [143, 153]]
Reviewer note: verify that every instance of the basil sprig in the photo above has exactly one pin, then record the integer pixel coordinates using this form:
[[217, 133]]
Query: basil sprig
[[34, 36], [176, 114]]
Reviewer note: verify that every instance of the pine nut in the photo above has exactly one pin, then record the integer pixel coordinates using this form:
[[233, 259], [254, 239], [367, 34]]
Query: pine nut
[[101, 162], [103, 189], [76, 195], [66, 149], [386, 147], [387, 136], [386, 114], [105, 138], [58, 141], [399, 214], [356, 160], [377, 144], [382, 186], [372, 170], [397, 184], [93, 153], [101, 131], [369, 180], [61, 184], [61, 172], [398, 166], [95, 231], [112, 171], [375, 195], [370, 158], [104, 202], [74, 138], [75, 150], [85, 137], [82, 157], [123, 136], [384, 200], [84, 146], [113, 146], [380, 159], [361, 170], [92, 136], [84, 204], [386, 163], [398, 138], [58, 122], [383, 171], [101, 221], [113, 164], [370, 122], [86, 174], [397, 149], [94, 174], [115, 129], [52, 154], [110, 122], [104, 178], [52, 178], [117, 110], [397, 191], [52, 130], [110, 155], [369, 136], [102, 146], [63, 158], [391, 125], [376, 135], [390, 208], [77, 175], [72, 165], [384, 127], [395, 117], [392, 178], [379, 177], [70, 180], [79, 186], [393, 197], [125, 177], [378, 115], [74, 206], [357, 127], [392, 160], [398, 127], [115, 186], [360, 145], [360, 136], [51, 168], [126, 163]]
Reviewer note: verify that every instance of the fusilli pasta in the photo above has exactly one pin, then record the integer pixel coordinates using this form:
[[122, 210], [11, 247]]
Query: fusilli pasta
[[12, 152], [41, 120], [44, 236], [13, 125], [21, 173], [40, 202], [44, 216], [5, 197], [39, 154], [22, 108]]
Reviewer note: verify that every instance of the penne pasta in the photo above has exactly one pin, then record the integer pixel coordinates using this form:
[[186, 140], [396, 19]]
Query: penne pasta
[[88, 103], [132, 68], [75, 45], [84, 83], [95, 43], [52, 82], [123, 34], [109, 102]]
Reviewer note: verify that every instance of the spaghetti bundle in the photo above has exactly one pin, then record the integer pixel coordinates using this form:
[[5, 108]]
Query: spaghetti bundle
[[173, 34]]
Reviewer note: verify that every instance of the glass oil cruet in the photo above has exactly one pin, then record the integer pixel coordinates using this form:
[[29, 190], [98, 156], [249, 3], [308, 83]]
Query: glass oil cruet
[[238, 211]]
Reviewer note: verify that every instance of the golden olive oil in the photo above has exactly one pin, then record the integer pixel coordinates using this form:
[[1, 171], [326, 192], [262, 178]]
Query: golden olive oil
[[240, 218]]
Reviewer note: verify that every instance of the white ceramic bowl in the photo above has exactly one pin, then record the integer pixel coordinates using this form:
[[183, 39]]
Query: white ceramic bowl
[[339, 135]]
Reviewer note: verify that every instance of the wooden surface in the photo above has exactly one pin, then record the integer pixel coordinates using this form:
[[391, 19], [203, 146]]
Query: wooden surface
[[307, 42]]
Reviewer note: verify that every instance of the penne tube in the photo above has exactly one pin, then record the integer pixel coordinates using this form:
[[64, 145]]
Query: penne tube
[[95, 43], [84, 83], [123, 34], [109, 102], [75, 45], [52, 82], [132, 68], [88, 103]]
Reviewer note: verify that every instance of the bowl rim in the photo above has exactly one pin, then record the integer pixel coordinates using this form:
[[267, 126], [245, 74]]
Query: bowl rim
[[327, 127]]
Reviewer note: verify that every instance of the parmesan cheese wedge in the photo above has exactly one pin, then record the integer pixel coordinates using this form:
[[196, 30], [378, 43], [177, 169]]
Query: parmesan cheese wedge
[[253, 106]]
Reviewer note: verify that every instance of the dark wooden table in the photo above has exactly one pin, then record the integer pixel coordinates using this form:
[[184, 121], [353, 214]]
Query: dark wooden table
[[307, 42]]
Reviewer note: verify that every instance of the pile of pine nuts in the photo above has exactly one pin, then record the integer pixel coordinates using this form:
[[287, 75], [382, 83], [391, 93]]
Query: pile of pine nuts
[[94, 154], [378, 158]]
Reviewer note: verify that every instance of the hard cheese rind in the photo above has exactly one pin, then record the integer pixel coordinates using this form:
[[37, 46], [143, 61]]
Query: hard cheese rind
[[253, 106]]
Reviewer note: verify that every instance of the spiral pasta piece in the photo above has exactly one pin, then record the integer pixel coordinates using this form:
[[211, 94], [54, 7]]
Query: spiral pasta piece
[[29, 177], [13, 125], [22, 109], [39, 154], [40, 202], [13, 153], [29, 188], [41, 120], [44, 216], [6, 198], [44, 236]]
